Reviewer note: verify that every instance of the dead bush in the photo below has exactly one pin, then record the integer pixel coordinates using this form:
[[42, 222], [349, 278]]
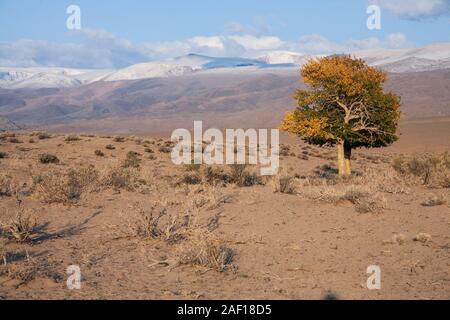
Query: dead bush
[[119, 139], [165, 149], [132, 160], [157, 223], [72, 138], [3, 155], [110, 147], [190, 178], [99, 153], [120, 178], [48, 158], [284, 183], [241, 177], [422, 237], [285, 150], [203, 248], [65, 187], [432, 170], [216, 176], [6, 188], [21, 226], [435, 200], [43, 135], [14, 140]]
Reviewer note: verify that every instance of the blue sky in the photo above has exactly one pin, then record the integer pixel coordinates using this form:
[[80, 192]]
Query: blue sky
[[121, 32]]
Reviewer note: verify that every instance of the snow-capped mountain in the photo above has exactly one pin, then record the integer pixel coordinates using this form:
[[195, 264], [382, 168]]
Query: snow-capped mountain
[[16, 78], [184, 65], [429, 58], [286, 57]]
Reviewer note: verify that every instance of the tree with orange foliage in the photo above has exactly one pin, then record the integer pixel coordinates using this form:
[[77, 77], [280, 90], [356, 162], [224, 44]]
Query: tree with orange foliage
[[345, 106]]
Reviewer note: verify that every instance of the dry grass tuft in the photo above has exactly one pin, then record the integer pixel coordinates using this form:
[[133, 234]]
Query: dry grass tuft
[[65, 187], [99, 153], [203, 248], [157, 223], [47, 158], [435, 200], [132, 160], [422, 237], [21, 227], [72, 138], [284, 183], [120, 178], [432, 170], [6, 186]]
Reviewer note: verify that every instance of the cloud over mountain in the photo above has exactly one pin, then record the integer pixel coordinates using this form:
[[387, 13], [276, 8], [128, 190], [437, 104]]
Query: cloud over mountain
[[99, 49]]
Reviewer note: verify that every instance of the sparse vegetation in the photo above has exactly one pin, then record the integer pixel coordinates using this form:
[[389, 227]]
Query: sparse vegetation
[[48, 158], [72, 138], [5, 185], [21, 226], [435, 200], [65, 187], [203, 248], [110, 147], [132, 160], [99, 153], [3, 155]]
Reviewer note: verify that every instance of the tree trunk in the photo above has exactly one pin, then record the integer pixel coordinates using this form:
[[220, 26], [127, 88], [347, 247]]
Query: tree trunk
[[344, 156]]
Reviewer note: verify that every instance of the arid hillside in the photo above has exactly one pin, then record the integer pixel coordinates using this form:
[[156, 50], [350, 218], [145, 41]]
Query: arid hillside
[[243, 98]]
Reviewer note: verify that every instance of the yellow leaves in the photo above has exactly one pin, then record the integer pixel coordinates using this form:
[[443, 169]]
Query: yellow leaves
[[341, 74], [308, 128]]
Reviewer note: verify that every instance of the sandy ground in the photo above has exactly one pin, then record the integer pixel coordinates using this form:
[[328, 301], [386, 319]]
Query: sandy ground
[[287, 246]]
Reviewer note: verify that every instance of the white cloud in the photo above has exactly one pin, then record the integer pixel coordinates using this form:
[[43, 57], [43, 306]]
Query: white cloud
[[100, 49], [415, 9]]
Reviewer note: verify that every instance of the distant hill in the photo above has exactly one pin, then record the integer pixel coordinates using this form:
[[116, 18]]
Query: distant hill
[[7, 125], [242, 98]]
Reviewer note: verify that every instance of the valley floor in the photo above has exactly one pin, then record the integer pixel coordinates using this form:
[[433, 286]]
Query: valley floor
[[300, 235]]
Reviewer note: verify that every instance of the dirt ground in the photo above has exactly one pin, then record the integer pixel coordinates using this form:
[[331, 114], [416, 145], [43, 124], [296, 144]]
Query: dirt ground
[[287, 245]]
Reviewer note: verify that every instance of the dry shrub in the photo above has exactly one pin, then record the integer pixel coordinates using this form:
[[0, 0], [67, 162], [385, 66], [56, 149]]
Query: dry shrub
[[6, 187], [157, 223], [216, 176], [241, 177], [422, 237], [43, 135], [21, 226], [363, 197], [120, 178], [203, 248], [284, 183], [165, 149], [132, 160], [99, 153], [190, 178], [210, 198], [110, 147], [72, 138], [285, 150], [370, 204], [48, 158], [432, 170], [3, 155], [119, 139], [65, 187], [435, 200]]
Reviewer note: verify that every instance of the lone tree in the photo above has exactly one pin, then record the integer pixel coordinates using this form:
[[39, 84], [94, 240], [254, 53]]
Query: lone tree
[[345, 106]]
